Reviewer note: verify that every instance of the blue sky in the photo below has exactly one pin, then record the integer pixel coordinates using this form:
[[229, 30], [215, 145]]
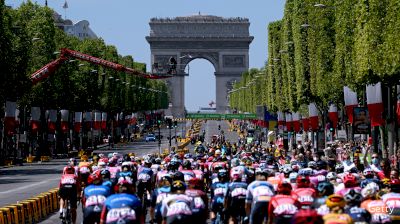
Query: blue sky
[[124, 23]]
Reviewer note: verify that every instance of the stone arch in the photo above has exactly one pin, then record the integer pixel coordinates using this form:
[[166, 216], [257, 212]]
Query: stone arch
[[224, 42]]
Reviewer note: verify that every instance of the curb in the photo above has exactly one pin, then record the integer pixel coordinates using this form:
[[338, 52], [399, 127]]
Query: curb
[[31, 210]]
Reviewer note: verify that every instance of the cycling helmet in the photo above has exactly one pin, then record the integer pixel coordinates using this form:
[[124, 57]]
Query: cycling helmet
[[350, 180], [325, 188], [353, 197], [335, 200], [222, 175], [287, 170], [95, 178], [284, 188], [236, 175], [73, 161], [105, 174], [312, 165], [306, 172], [178, 185], [331, 176], [84, 158], [69, 170], [188, 156], [385, 182], [307, 216], [165, 180], [126, 165], [178, 176], [196, 183], [368, 173], [187, 164], [295, 167], [370, 190], [395, 185], [303, 181], [157, 161], [101, 164], [321, 164], [339, 168], [293, 177]]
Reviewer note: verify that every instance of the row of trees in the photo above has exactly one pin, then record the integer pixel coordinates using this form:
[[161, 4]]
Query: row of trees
[[29, 39], [317, 48]]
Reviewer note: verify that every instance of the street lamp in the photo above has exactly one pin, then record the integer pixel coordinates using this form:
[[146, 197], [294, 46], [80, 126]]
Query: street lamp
[[35, 39], [305, 25]]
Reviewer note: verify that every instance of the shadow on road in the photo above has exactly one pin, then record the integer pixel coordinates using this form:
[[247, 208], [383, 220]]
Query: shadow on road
[[29, 172]]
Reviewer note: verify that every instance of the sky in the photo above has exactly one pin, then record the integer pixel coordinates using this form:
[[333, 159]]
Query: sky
[[124, 24]]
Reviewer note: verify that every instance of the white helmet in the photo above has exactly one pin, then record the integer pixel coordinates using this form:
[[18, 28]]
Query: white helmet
[[370, 190], [331, 176]]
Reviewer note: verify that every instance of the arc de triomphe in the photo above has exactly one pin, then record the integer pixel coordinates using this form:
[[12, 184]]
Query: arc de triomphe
[[222, 41]]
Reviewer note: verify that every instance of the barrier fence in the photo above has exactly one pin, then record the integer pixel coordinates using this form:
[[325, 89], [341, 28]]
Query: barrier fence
[[31, 210]]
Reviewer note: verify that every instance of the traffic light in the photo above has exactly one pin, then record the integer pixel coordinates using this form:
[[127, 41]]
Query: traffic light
[[169, 122], [175, 123]]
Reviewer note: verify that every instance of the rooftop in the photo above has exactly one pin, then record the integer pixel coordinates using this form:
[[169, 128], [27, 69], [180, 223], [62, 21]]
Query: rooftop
[[199, 18]]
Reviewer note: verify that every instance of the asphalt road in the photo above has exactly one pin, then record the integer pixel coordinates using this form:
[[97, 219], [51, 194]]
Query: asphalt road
[[19, 183]]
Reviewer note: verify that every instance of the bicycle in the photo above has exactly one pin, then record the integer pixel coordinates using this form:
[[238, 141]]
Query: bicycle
[[67, 216]]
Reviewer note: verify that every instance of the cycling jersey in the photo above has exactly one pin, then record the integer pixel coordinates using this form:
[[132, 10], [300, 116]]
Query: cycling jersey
[[343, 191], [392, 201], [177, 208], [218, 192], [305, 196], [378, 211], [274, 181], [188, 175], [359, 215], [199, 209], [236, 196], [114, 172], [259, 194], [282, 208], [93, 200], [122, 208], [156, 201]]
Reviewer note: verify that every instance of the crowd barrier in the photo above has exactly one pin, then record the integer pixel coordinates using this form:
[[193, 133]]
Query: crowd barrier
[[31, 210]]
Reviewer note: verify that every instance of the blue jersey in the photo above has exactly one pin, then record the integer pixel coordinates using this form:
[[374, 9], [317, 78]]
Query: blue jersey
[[159, 195], [237, 190], [218, 191], [96, 195], [145, 174], [122, 208], [369, 180], [259, 191]]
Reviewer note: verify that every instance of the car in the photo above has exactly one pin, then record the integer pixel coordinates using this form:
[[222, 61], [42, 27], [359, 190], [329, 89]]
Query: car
[[150, 138]]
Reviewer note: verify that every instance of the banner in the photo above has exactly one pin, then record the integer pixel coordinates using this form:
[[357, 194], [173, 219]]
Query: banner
[[88, 120], [375, 104], [361, 121], [64, 120], [350, 101], [313, 116], [9, 118], [78, 122], [306, 123], [35, 119], [281, 120]]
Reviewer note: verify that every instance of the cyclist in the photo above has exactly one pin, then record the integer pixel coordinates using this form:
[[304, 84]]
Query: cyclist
[[236, 196], [282, 207], [69, 189], [218, 191], [369, 175], [349, 182], [374, 205], [159, 194], [200, 200], [94, 196], [304, 193], [177, 207], [324, 189], [258, 195], [336, 215], [123, 207], [358, 214], [392, 200]]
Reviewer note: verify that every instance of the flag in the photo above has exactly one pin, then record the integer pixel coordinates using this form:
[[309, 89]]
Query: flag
[[350, 101], [35, 119], [9, 118], [78, 122], [281, 120], [333, 115], [97, 120], [88, 120], [296, 121], [65, 6], [288, 117], [64, 120], [313, 116], [375, 104], [104, 121], [51, 120], [306, 123]]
